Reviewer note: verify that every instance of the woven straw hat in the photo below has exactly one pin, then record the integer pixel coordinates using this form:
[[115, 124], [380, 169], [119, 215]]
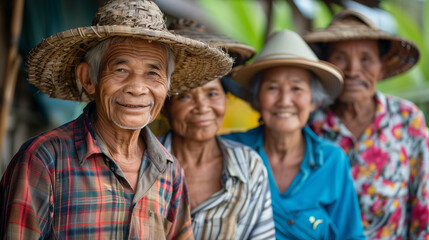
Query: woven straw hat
[[192, 29], [51, 64], [287, 48], [350, 25]]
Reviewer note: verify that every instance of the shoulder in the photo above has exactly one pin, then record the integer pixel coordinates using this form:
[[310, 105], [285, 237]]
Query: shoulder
[[328, 152], [244, 157], [396, 105], [249, 137], [48, 142]]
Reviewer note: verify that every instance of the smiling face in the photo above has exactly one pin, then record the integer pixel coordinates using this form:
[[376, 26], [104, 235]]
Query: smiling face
[[132, 84], [362, 67], [285, 98], [198, 114]]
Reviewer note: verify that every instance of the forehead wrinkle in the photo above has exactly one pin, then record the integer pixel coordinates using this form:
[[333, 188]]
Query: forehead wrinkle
[[119, 61]]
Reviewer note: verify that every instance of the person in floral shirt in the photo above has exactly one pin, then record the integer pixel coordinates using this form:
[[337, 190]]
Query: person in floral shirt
[[385, 137]]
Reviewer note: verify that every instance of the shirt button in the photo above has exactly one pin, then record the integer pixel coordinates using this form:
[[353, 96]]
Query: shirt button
[[290, 222]]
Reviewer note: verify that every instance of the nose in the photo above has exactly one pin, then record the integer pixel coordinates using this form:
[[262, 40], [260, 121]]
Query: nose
[[353, 67], [136, 85], [285, 98], [201, 104]]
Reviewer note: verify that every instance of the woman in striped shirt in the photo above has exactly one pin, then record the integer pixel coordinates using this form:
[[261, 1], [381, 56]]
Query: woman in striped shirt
[[227, 181]]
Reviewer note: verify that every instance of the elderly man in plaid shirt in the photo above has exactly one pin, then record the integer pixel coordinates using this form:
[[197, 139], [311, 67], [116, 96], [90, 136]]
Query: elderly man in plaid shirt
[[105, 175]]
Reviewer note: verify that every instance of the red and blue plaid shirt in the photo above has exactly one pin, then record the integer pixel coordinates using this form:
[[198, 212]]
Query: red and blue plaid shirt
[[64, 184]]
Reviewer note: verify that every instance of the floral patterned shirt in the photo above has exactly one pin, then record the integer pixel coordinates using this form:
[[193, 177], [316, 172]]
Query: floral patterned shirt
[[390, 167]]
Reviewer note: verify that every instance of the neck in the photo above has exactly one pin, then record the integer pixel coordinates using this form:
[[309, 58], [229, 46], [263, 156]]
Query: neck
[[356, 116], [192, 152], [284, 145], [355, 110], [125, 146]]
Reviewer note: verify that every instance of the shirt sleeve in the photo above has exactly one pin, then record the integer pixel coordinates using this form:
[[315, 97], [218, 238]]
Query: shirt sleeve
[[419, 175], [345, 213], [26, 198], [264, 227], [179, 213]]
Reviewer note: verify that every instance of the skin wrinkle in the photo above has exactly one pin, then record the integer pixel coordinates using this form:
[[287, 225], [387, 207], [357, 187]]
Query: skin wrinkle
[[195, 117], [285, 99], [360, 61], [131, 89]]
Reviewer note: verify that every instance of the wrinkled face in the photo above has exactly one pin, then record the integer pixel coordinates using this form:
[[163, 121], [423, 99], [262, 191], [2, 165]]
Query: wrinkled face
[[133, 83], [285, 98], [362, 67], [198, 114]]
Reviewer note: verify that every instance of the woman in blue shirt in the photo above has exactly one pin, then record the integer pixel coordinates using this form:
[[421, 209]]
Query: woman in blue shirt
[[312, 190]]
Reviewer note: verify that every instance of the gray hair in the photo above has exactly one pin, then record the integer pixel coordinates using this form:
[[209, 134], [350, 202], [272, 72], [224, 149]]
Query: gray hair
[[95, 54], [318, 92]]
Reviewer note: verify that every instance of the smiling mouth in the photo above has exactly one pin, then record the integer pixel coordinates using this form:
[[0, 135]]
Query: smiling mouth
[[130, 106], [134, 105], [284, 114], [355, 83]]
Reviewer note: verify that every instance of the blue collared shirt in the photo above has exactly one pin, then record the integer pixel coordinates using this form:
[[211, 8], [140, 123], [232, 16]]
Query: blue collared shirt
[[321, 202]]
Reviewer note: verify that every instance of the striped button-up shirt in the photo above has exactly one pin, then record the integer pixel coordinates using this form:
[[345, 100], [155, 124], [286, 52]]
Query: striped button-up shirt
[[242, 208], [64, 184]]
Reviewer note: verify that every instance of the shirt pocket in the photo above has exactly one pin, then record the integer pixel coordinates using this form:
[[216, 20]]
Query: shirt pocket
[[311, 223], [150, 225], [384, 202], [221, 228]]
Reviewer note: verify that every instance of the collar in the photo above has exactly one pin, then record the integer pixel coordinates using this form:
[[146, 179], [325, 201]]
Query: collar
[[235, 165], [87, 143], [381, 119], [231, 163], [315, 158]]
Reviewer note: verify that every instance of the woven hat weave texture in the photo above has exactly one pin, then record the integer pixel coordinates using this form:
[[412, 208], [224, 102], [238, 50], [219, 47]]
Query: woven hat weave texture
[[51, 64], [350, 25], [195, 30]]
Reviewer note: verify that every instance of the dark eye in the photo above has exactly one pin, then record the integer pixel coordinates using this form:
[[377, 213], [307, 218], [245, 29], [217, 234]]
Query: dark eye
[[213, 94], [339, 58], [153, 74], [365, 58], [272, 87], [183, 96], [120, 70]]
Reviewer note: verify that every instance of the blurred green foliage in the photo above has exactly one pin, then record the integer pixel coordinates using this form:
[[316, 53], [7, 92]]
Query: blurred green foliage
[[246, 21]]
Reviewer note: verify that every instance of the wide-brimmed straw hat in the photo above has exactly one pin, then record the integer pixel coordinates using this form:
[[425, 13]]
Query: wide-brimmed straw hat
[[51, 65], [350, 25], [287, 48], [192, 29]]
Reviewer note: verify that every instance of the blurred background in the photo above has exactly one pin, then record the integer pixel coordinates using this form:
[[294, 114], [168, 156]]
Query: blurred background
[[26, 112]]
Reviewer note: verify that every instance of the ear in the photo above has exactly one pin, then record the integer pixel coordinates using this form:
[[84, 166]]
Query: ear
[[314, 106], [82, 72]]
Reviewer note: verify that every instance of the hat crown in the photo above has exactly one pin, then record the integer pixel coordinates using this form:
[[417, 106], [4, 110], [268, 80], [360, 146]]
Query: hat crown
[[187, 25], [142, 14], [286, 44], [351, 19]]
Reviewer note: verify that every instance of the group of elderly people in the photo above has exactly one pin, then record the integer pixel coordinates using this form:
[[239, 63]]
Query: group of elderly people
[[332, 158]]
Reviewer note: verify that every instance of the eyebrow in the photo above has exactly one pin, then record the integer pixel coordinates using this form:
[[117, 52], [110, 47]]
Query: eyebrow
[[119, 62], [212, 88], [155, 66]]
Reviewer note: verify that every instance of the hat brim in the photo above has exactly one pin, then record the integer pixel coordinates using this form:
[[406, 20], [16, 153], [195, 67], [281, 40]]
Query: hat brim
[[230, 45], [403, 53], [329, 75], [51, 65]]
